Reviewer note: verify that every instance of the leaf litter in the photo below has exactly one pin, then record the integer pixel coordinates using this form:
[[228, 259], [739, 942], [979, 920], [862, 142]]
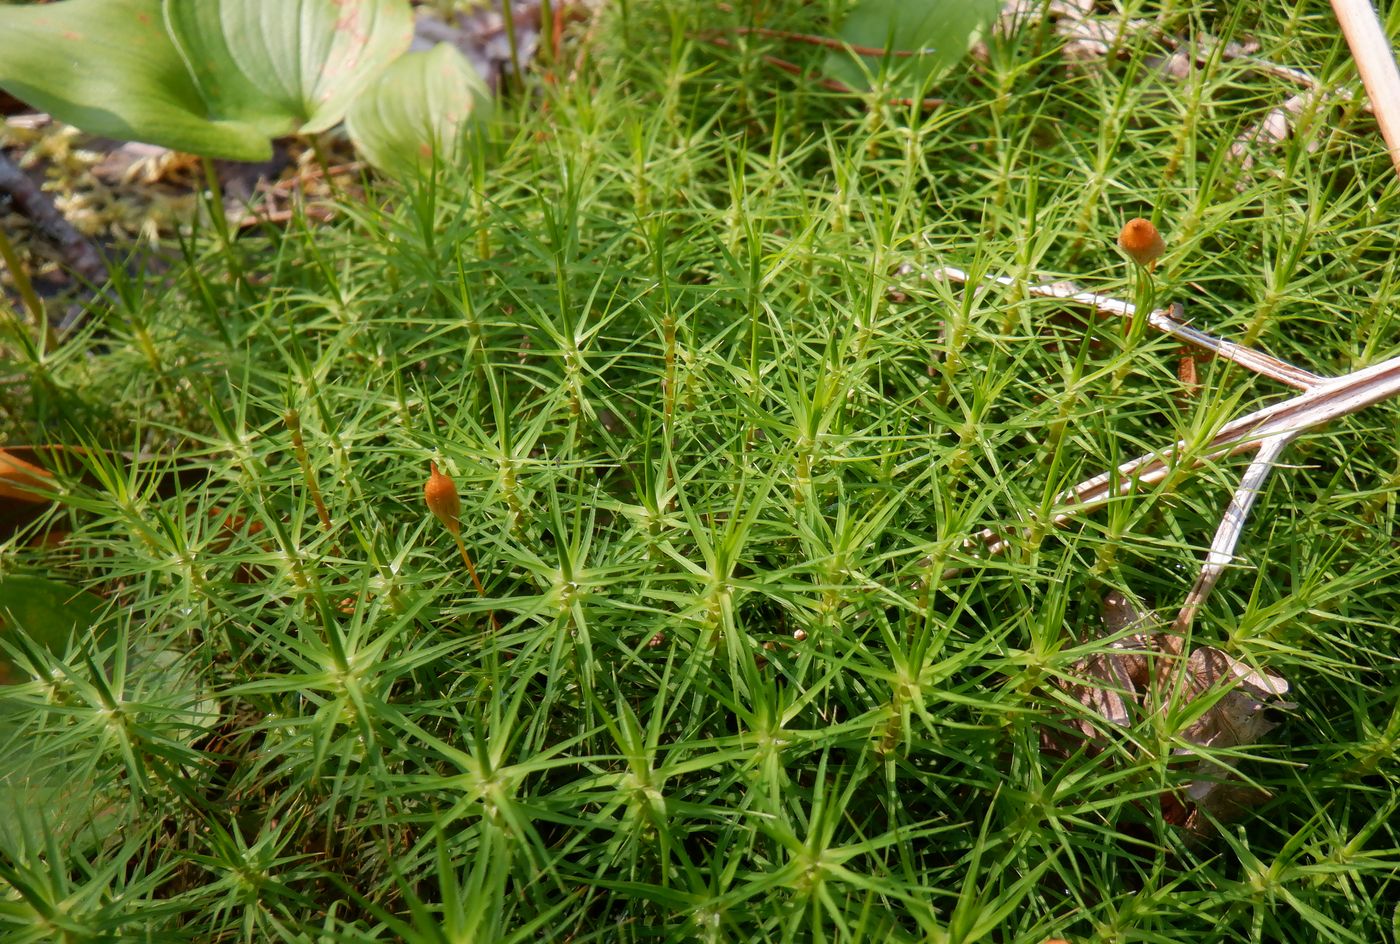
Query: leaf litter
[[1230, 705]]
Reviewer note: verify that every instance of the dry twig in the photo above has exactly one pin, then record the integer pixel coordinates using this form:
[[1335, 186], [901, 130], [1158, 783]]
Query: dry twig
[[1325, 402], [33, 203], [1111, 683], [1227, 536], [1162, 320], [1376, 63], [1323, 399]]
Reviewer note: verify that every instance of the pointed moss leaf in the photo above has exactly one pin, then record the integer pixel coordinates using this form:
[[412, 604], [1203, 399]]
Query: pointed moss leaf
[[287, 65], [424, 107], [49, 613], [939, 32], [110, 68]]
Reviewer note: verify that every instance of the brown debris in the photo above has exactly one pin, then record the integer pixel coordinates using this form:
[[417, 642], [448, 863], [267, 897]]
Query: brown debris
[[77, 252], [1187, 371], [1139, 674]]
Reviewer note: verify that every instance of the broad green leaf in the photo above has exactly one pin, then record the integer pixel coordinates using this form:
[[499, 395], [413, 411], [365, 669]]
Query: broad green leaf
[[110, 68], [939, 31], [50, 613], [425, 104], [287, 65]]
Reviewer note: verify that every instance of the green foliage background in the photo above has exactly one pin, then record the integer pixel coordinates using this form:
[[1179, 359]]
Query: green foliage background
[[717, 443]]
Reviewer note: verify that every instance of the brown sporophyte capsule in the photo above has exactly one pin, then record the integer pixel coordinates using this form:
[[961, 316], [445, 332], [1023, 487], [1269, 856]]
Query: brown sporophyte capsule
[[1141, 241], [441, 495]]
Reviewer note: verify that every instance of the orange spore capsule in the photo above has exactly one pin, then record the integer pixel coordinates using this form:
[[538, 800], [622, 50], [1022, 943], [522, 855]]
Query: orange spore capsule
[[441, 495], [1141, 241]]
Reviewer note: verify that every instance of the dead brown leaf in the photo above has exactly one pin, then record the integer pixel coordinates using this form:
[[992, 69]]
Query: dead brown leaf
[[1189, 375], [1143, 672], [22, 481], [27, 486]]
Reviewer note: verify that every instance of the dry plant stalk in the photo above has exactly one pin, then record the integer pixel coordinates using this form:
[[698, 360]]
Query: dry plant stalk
[[1318, 406], [1376, 62], [1151, 670], [1227, 536], [1144, 670], [1324, 399]]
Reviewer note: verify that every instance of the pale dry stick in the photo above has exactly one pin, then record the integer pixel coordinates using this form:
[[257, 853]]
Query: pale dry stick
[[1376, 62], [1290, 74], [1323, 403], [1227, 536], [1161, 319]]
